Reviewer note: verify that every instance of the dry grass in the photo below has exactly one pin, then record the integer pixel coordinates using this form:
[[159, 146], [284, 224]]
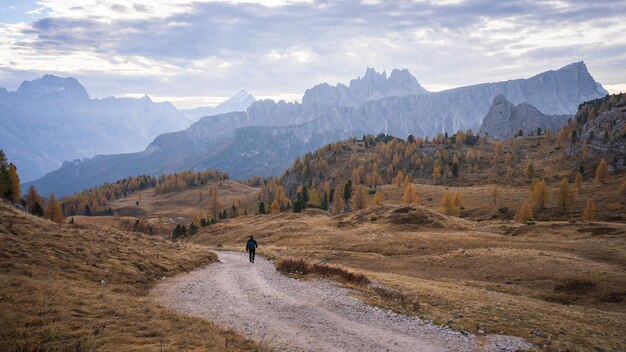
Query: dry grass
[[495, 276], [180, 207], [80, 288], [300, 267]]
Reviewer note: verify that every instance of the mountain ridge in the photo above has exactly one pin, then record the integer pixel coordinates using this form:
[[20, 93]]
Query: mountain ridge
[[245, 144], [52, 119]]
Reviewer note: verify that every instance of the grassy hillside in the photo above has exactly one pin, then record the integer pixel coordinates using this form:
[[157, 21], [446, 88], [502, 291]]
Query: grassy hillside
[[81, 288], [553, 283]]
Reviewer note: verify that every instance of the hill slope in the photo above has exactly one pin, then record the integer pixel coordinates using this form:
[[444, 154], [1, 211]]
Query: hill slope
[[85, 288], [555, 284]]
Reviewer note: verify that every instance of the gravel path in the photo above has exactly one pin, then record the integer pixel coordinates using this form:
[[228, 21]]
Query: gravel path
[[305, 315]]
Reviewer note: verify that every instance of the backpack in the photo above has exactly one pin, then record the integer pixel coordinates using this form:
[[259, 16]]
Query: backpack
[[251, 245]]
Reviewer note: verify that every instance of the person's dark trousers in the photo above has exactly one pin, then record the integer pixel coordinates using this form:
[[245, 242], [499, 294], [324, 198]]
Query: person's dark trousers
[[251, 252]]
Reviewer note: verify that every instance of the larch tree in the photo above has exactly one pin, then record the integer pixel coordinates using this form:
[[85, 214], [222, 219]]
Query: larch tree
[[399, 179], [360, 198], [524, 213], [446, 204], [584, 151], [589, 213], [314, 198], [565, 195], [578, 181], [13, 185], [280, 197], [275, 208], [456, 204], [494, 194], [539, 194], [602, 172], [529, 171], [53, 210], [338, 202], [215, 203], [378, 198], [32, 197], [437, 170], [410, 197]]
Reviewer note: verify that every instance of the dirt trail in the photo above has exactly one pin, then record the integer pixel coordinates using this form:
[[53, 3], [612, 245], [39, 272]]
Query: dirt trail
[[312, 315]]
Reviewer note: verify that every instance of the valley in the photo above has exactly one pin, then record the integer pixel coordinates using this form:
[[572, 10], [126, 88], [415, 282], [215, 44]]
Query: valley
[[312, 176]]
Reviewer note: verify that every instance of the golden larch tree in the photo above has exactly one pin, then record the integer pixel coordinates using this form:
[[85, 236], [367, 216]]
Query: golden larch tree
[[32, 197], [275, 208], [602, 172], [456, 204], [410, 195], [565, 195], [53, 210], [529, 171], [314, 198], [524, 213], [280, 197], [13, 191], [338, 202], [539, 194], [445, 204], [378, 198], [437, 169], [578, 181], [360, 198], [589, 213]]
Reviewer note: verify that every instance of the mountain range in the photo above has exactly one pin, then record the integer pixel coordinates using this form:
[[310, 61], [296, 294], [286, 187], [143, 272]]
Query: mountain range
[[52, 119], [266, 138]]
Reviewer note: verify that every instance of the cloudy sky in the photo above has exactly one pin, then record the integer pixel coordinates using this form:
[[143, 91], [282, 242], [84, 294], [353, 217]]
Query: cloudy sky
[[197, 52]]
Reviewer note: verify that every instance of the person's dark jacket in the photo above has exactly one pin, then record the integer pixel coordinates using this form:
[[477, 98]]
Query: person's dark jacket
[[251, 245]]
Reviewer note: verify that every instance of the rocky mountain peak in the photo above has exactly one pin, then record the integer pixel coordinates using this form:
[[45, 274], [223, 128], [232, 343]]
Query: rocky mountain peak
[[505, 119], [53, 87], [373, 85]]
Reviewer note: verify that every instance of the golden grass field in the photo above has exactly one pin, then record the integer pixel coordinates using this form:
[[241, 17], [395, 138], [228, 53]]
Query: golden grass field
[[556, 284], [179, 206], [86, 288]]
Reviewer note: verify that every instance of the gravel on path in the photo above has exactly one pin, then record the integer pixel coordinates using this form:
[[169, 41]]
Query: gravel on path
[[306, 315]]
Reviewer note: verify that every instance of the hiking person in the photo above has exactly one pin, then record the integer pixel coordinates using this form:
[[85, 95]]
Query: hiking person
[[251, 248]]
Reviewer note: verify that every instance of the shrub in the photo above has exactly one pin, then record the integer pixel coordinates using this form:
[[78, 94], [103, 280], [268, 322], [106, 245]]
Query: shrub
[[574, 286], [409, 302], [291, 266]]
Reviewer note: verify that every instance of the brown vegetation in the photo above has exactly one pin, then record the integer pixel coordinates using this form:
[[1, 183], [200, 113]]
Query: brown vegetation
[[78, 288], [494, 276]]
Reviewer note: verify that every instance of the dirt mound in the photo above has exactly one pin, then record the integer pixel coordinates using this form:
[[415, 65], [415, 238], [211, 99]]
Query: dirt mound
[[414, 217]]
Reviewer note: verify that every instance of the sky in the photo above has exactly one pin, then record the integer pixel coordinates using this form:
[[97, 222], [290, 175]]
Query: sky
[[198, 52]]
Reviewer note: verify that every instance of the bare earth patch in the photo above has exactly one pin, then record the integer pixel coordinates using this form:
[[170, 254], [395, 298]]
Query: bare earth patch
[[306, 315]]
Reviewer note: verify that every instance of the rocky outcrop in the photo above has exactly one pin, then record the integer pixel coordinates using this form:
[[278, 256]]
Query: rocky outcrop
[[504, 119], [605, 137]]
